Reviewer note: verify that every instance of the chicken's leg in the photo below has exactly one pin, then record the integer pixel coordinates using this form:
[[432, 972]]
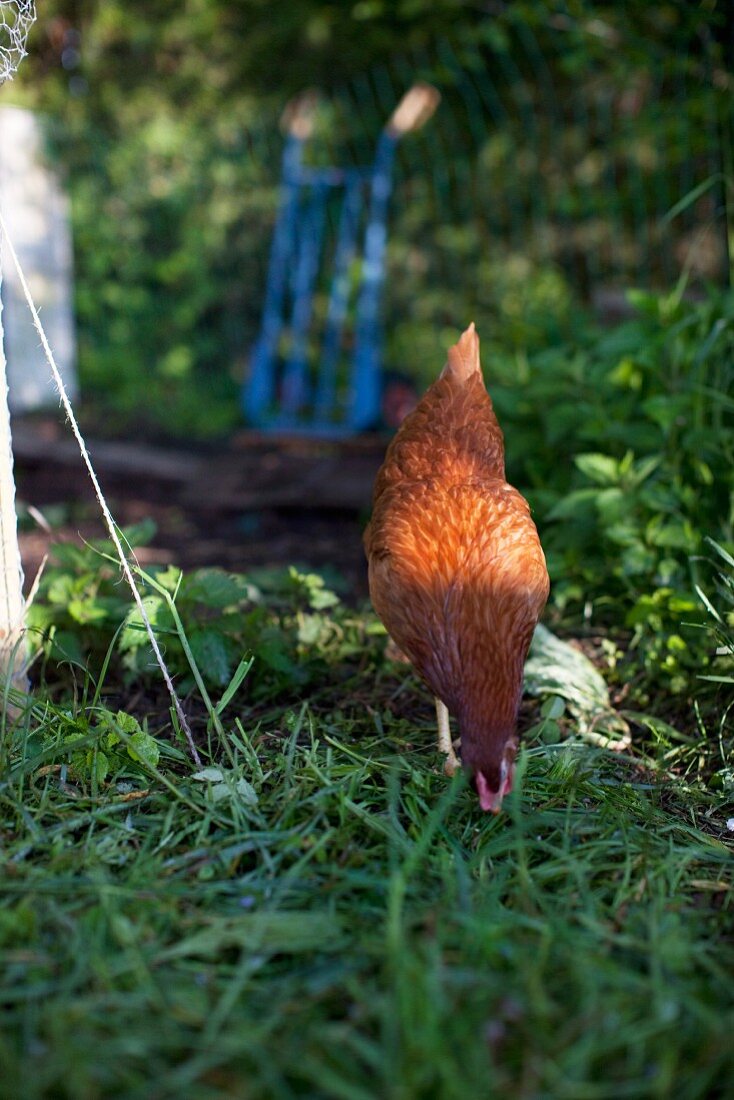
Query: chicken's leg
[[452, 763]]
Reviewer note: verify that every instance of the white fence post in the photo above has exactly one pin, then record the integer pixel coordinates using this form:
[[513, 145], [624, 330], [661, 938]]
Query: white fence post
[[12, 607], [16, 19]]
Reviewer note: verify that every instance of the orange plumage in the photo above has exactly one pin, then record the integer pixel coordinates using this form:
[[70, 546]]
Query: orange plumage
[[456, 569]]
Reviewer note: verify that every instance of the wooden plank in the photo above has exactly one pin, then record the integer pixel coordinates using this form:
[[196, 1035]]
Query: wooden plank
[[252, 472], [40, 443]]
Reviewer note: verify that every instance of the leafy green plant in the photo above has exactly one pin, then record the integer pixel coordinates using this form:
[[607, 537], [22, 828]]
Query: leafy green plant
[[624, 443], [719, 670], [114, 739], [665, 645], [278, 628], [721, 622]]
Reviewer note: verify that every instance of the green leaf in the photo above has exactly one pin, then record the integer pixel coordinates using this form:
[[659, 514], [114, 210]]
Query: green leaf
[[211, 653], [99, 763], [311, 629], [133, 634], [66, 646], [644, 301], [143, 748], [139, 744], [637, 560], [168, 578], [623, 534], [627, 375], [127, 723], [70, 556], [577, 504], [668, 410], [274, 651], [226, 786], [721, 551], [240, 673], [678, 536], [209, 775], [215, 588], [644, 467], [611, 504], [92, 610], [319, 597], [62, 589], [553, 707], [240, 791], [601, 468], [139, 534], [550, 732]]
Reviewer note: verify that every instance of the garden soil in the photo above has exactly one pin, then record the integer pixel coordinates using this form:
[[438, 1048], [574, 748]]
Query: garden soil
[[251, 502]]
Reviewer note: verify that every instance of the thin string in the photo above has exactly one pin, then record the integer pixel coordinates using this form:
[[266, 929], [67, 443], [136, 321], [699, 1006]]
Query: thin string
[[109, 521]]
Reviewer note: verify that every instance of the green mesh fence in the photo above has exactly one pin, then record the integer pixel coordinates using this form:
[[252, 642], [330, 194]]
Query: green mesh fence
[[555, 175], [568, 161]]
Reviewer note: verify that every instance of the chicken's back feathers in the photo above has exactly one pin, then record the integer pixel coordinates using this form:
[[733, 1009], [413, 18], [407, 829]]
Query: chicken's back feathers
[[456, 570], [453, 433]]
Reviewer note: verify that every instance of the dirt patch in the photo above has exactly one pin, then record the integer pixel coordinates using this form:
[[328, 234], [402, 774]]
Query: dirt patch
[[255, 502]]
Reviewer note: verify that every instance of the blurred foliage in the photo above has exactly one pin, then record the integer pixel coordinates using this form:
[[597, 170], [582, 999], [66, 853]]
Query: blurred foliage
[[624, 442], [82, 618], [721, 616], [566, 131]]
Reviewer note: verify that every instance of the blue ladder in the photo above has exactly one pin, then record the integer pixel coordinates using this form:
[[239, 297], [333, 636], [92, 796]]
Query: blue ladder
[[283, 393]]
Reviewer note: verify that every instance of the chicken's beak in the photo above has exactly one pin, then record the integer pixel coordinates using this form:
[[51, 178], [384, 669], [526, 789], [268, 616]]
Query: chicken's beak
[[489, 800]]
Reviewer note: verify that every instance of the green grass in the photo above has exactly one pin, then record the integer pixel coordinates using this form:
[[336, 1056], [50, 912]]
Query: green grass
[[362, 929]]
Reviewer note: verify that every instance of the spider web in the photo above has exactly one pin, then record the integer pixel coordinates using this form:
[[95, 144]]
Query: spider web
[[16, 19]]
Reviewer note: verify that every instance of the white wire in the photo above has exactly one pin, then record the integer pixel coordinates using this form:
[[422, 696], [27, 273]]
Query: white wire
[[109, 521]]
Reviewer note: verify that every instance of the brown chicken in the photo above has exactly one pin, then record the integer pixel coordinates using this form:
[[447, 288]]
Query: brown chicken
[[456, 569]]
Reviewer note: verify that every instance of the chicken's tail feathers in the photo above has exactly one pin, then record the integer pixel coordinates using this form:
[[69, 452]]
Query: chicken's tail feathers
[[463, 359]]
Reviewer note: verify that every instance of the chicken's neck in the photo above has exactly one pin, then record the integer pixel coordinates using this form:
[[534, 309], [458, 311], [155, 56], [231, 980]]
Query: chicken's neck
[[486, 732], [487, 717], [452, 435]]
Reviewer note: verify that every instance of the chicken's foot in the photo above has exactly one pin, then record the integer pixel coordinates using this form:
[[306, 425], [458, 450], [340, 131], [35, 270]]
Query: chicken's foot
[[452, 763]]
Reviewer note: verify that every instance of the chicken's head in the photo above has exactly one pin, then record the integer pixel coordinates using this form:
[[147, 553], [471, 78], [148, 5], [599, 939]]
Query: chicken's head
[[491, 763]]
